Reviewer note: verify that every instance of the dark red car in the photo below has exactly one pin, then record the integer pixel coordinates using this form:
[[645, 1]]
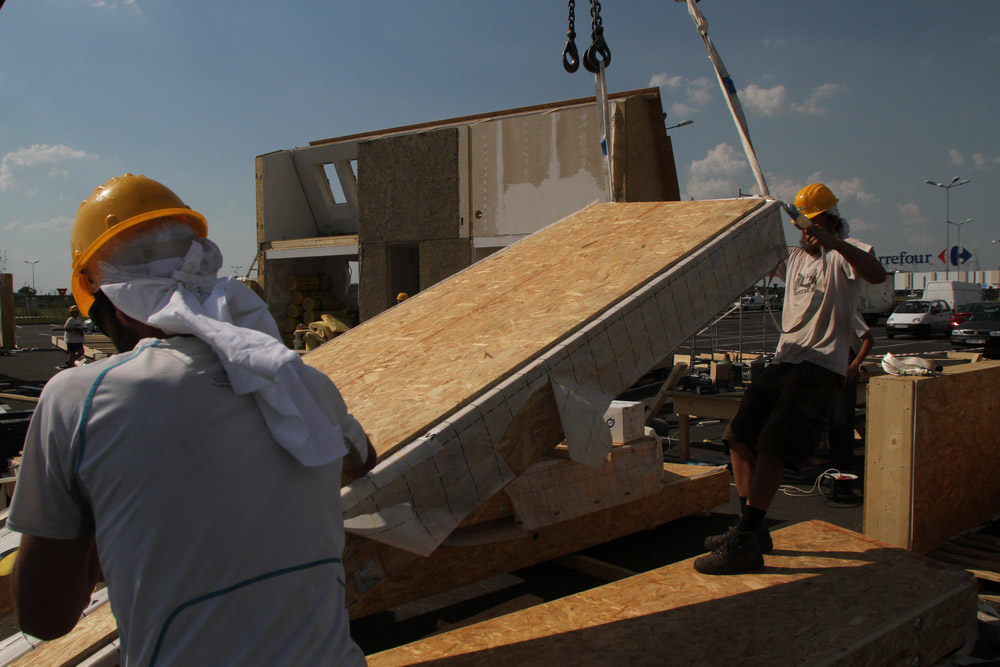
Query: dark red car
[[965, 311]]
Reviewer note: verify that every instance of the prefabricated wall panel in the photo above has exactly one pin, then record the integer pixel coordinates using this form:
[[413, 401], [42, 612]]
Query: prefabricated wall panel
[[474, 379], [930, 455], [826, 596], [408, 187]]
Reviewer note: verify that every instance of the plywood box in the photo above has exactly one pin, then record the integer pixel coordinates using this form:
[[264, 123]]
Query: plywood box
[[825, 596], [931, 448]]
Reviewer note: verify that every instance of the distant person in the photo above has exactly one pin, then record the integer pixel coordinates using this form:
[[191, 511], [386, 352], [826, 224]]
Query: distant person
[[73, 336], [785, 410], [199, 469], [841, 431]]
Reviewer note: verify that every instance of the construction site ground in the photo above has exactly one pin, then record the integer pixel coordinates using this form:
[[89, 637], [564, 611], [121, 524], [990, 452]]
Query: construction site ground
[[671, 542]]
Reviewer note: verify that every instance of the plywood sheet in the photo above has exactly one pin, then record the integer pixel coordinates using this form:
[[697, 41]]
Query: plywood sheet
[[826, 595], [468, 383]]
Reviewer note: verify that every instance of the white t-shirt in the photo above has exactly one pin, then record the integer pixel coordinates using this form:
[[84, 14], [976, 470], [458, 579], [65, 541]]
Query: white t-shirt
[[217, 545], [821, 297], [74, 330]]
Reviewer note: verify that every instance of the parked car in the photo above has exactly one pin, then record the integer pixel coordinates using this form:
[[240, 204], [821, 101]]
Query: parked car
[[964, 311], [754, 302], [982, 329], [919, 318]]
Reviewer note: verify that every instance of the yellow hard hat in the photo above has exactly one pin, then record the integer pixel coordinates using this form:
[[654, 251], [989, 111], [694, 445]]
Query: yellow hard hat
[[402, 296], [814, 199], [120, 204], [73, 310]]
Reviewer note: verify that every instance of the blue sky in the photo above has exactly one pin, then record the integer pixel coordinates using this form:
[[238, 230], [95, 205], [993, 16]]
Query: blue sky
[[872, 98]]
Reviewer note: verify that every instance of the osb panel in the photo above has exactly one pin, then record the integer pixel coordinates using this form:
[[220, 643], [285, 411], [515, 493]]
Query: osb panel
[[888, 606], [888, 445], [442, 258], [380, 576], [408, 187], [956, 444], [373, 283], [644, 177], [407, 369]]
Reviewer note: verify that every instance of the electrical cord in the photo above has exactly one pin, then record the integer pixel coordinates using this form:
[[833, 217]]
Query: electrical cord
[[816, 489]]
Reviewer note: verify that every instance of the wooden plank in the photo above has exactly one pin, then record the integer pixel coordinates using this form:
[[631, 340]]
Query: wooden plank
[[93, 632], [19, 397], [889, 435], [502, 609], [381, 577], [676, 373], [904, 609]]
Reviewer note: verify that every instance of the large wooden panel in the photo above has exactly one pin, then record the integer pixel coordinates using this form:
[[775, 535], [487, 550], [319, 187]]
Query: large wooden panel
[[930, 447], [826, 595], [465, 385], [412, 365]]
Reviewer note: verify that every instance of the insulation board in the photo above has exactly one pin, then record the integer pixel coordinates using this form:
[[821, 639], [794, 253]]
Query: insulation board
[[459, 386], [826, 596]]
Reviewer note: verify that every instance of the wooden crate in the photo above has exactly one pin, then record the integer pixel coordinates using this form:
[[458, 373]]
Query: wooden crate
[[930, 452], [826, 595]]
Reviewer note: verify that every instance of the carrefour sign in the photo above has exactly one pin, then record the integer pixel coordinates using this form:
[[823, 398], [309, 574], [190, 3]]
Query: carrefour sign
[[905, 258]]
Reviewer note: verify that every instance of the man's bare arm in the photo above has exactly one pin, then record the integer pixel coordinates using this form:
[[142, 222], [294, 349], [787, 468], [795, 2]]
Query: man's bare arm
[[52, 582], [865, 263]]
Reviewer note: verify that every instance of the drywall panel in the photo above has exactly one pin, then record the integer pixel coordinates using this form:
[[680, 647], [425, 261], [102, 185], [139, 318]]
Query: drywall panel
[[526, 172], [903, 609], [465, 385]]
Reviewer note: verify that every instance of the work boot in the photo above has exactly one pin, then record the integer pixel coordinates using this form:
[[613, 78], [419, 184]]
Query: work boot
[[737, 553], [764, 540]]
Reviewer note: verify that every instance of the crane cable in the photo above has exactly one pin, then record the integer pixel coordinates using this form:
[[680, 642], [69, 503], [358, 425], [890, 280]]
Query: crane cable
[[595, 59]]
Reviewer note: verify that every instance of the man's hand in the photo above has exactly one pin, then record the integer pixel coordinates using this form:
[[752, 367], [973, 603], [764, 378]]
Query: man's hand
[[348, 475], [52, 582]]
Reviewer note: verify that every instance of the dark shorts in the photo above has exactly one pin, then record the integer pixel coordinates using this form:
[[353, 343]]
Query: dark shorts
[[785, 411], [74, 347]]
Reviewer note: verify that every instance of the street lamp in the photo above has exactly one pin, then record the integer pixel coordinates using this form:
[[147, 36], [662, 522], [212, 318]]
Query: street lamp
[[33, 273], [958, 241], [955, 182], [680, 124]]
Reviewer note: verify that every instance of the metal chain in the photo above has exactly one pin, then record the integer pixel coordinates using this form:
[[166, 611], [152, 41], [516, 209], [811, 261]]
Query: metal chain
[[571, 57], [598, 48]]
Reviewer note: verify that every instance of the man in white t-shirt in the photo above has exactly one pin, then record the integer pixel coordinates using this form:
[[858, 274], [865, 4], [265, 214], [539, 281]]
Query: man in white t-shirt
[[73, 336], [199, 470], [785, 410]]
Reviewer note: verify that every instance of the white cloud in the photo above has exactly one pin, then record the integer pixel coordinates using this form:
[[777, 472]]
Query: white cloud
[[681, 109], [768, 101], [60, 224], [911, 213], [719, 174], [24, 167], [699, 91], [664, 80], [955, 157], [114, 4], [860, 225], [812, 105], [853, 188]]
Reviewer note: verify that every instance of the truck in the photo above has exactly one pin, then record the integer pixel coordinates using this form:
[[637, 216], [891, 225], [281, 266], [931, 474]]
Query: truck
[[875, 301], [955, 292]]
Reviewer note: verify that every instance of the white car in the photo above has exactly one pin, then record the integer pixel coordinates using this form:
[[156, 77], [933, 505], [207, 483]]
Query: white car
[[920, 318], [755, 302]]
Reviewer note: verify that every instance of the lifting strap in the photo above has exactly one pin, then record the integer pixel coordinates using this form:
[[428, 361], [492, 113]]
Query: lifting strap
[[729, 92]]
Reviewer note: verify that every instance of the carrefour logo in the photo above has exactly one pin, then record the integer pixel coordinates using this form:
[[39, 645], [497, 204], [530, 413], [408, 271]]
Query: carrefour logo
[[905, 258]]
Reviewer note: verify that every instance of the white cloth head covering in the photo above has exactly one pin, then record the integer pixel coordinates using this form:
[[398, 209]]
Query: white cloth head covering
[[165, 276]]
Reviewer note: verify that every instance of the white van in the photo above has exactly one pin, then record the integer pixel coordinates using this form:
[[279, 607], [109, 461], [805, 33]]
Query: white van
[[954, 292], [919, 317]]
